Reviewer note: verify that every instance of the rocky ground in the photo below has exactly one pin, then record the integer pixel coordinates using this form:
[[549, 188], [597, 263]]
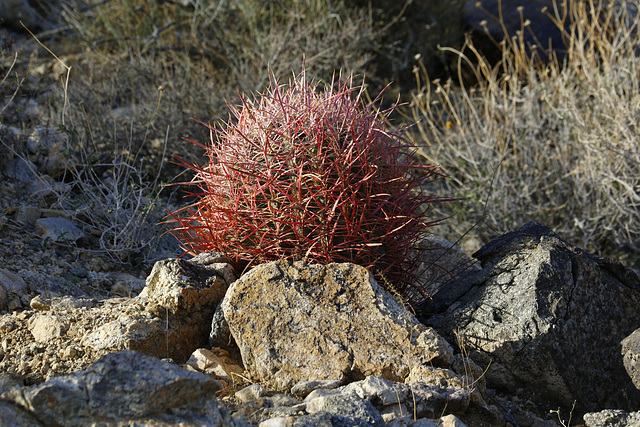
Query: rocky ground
[[295, 344], [65, 303], [51, 241], [71, 293]]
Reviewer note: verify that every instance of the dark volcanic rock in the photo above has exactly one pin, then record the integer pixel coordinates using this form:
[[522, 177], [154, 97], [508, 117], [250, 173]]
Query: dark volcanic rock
[[550, 316]]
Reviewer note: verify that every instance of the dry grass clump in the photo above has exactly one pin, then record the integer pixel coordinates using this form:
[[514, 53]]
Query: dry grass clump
[[109, 195], [551, 142], [126, 53], [246, 37], [240, 39], [116, 204]]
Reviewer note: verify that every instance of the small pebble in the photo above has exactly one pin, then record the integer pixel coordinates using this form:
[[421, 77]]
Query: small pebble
[[252, 392]]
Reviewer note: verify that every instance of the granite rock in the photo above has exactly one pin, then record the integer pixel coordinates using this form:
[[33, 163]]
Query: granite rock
[[295, 322]]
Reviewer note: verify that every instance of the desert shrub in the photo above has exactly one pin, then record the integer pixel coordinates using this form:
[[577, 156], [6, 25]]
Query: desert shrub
[[313, 175], [241, 39], [106, 191], [125, 53], [546, 141], [117, 204]]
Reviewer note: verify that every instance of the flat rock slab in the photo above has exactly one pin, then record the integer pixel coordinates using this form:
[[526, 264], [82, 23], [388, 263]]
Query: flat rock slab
[[294, 322], [58, 229]]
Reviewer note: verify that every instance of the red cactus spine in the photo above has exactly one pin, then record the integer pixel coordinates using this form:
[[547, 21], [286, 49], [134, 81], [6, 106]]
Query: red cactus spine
[[311, 175]]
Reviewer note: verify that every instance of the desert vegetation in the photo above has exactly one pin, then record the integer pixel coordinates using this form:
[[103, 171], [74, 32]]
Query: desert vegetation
[[523, 139], [309, 173], [552, 141]]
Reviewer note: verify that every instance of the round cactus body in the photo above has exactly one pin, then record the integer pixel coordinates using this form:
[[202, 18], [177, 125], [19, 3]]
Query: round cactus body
[[312, 175]]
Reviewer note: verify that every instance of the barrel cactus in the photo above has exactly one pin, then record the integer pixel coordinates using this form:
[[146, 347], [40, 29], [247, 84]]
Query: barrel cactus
[[311, 174]]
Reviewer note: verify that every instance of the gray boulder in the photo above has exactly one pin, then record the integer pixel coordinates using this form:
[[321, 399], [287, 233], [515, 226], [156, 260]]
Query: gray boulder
[[9, 381], [16, 416], [125, 388], [13, 290], [551, 317]]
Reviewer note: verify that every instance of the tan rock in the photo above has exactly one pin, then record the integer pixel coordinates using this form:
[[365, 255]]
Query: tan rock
[[45, 327], [12, 289], [41, 303], [130, 333], [438, 377], [172, 316], [294, 321], [215, 362], [187, 287], [451, 421]]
